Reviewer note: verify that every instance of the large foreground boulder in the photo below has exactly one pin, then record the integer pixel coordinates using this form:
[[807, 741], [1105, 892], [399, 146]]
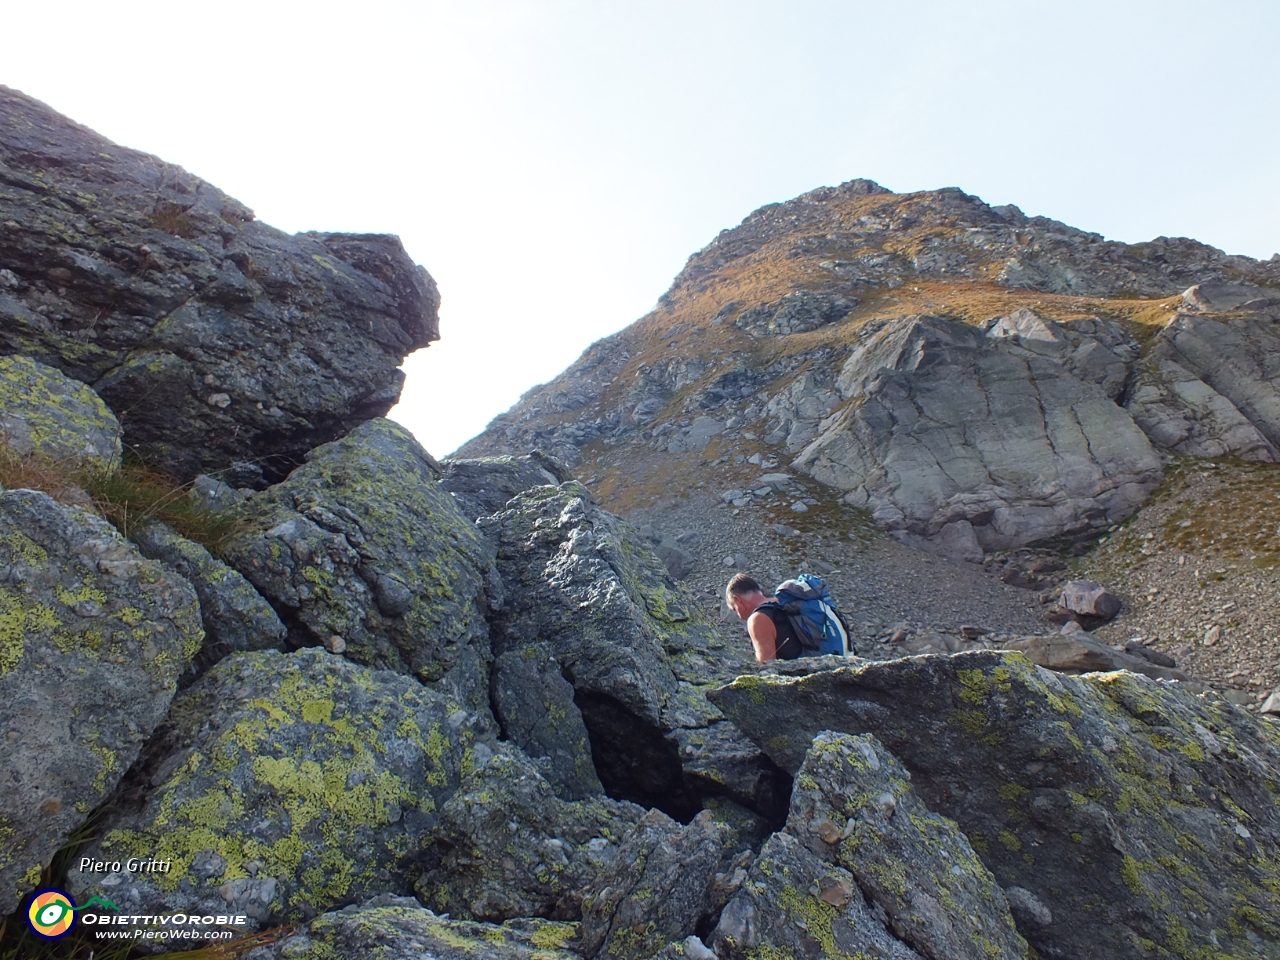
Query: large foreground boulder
[[213, 337], [864, 868], [964, 442], [1132, 816], [364, 552], [93, 638], [583, 587], [46, 414], [284, 785], [667, 883], [398, 928]]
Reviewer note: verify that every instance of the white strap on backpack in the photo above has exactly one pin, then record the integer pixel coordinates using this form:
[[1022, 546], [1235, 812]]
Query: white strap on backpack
[[832, 617]]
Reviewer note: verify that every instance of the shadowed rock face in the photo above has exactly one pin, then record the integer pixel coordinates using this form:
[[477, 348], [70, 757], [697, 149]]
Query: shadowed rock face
[[93, 638], [1111, 797], [214, 338]]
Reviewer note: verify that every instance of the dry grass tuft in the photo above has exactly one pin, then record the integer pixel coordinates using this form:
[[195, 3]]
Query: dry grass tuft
[[128, 498]]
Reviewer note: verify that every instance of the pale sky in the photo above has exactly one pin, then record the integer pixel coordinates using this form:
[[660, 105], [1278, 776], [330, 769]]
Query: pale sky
[[553, 163]]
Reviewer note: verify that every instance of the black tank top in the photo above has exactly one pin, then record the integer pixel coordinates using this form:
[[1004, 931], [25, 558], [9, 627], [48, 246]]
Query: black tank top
[[788, 644]]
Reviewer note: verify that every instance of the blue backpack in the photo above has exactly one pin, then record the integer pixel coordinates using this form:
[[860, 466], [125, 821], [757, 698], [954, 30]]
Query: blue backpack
[[814, 615]]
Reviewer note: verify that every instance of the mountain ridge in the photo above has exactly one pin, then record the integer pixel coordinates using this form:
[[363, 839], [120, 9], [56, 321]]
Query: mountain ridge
[[750, 345]]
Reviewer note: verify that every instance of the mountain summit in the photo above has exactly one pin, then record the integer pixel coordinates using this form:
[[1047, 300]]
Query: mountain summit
[[974, 378]]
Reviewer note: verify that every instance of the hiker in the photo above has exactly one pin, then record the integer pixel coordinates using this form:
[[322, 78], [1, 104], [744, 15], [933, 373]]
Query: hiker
[[801, 620]]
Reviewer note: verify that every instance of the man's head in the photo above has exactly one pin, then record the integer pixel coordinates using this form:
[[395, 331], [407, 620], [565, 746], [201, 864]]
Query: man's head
[[743, 595]]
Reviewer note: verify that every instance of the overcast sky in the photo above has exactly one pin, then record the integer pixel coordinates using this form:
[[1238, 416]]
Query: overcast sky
[[552, 163]]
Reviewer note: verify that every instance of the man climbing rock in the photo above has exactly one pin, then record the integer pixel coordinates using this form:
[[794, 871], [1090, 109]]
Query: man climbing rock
[[772, 634], [801, 620]]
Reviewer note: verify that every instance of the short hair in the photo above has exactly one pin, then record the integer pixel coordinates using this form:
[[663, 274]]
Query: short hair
[[740, 585]]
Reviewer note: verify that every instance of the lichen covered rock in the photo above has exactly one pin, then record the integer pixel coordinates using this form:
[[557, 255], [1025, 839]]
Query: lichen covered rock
[[362, 544], [854, 808], [284, 785], [215, 338], [49, 415], [507, 847], [1139, 816], [235, 616], [93, 638], [397, 928], [667, 882], [796, 904]]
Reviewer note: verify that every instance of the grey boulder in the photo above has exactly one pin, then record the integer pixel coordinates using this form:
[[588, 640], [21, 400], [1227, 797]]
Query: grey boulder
[[1113, 796], [362, 544], [46, 414], [534, 706], [665, 883], [235, 615], [284, 785], [1088, 602], [506, 846], [93, 638]]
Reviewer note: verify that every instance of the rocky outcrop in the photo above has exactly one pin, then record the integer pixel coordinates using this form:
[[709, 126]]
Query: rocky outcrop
[[213, 337], [533, 703], [974, 415], [1108, 797], [1209, 385], [235, 616], [969, 443], [93, 638], [797, 312], [285, 785], [484, 486], [507, 847], [397, 928], [362, 550], [48, 415], [582, 585]]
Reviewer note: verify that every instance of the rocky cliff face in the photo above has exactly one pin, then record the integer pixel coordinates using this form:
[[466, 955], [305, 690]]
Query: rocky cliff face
[[403, 708], [214, 338], [973, 378]]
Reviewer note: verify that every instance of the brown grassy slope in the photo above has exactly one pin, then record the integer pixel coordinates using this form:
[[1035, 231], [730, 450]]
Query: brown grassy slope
[[939, 252]]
